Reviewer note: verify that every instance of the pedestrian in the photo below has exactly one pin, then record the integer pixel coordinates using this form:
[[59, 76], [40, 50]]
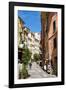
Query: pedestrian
[[30, 64]]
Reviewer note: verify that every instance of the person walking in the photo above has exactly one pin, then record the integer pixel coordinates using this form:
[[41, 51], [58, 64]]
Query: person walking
[[30, 65]]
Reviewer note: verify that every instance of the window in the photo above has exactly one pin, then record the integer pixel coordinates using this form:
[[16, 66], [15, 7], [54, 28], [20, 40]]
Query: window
[[55, 43], [54, 26]]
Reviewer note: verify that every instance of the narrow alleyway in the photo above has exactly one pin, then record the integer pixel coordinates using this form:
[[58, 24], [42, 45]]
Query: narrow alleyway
[[37, 72]]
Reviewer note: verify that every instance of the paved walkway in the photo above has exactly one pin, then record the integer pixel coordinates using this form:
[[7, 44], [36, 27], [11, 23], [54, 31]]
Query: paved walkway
[[37, 72]]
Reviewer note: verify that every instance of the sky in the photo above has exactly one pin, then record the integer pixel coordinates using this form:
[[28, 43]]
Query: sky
[[32, 19]]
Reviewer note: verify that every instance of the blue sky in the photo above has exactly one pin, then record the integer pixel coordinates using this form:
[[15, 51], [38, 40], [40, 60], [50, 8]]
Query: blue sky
[[32, 19]]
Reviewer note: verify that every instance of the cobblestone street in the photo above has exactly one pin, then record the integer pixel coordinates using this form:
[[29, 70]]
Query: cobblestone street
[[37, 72]]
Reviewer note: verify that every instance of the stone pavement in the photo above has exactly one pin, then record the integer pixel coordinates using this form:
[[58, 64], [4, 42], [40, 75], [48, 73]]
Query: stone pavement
[[37, 72]]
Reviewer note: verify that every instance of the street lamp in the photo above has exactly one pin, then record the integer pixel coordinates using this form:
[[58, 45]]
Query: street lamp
[[21, 45]]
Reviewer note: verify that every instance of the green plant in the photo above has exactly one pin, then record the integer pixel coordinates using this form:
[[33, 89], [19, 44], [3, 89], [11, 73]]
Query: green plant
[[24, 73], [26, 56], [36, 57]]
